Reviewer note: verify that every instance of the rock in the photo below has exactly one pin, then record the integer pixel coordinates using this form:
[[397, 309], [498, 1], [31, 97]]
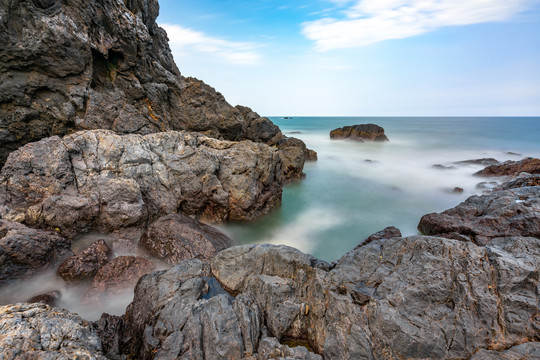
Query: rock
[[37, 331], [456, 190], [483, 161], [99, 181], [176, 237], [123, 247], [67, 66], [443, 167], [292, 153], [479, 219], [370, 132], [50, 298], [310, 155], [116, 277], [487, 185], [386, 233], [522, 180], [110, 329], [511, 168], [25, 252], [84, 265], [527, 351], [414, 297], [512, 153]]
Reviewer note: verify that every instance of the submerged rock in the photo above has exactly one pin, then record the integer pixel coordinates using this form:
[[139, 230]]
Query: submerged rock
[[511, 168], [37, 331], [176, 237], [483, 161], [370, 132], [84, 265], [25, 252], [97, 180]]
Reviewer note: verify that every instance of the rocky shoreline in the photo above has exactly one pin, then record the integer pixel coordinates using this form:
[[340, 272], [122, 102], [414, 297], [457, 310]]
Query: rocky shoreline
[[101, 134]]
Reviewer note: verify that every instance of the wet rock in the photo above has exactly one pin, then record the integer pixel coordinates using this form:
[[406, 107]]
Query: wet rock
[[110, 329], [512, 153], [292, 153], [50, 298], [511, 168], [443, 167], [487, 185], [386, 233], [176, 237], [456, 190], [37, 331], [479, 219], [84, 265], [522, 180], [370, 132], [527, 351], [116, 277], [483, 161], [310, 155], [25, 252], [100, 181]]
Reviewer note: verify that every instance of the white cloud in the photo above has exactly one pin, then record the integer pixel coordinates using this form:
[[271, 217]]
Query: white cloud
[[183, 40], [370, 21]]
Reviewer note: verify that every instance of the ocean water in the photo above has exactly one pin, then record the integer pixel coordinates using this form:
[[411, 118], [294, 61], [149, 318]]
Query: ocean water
[[356, 189]]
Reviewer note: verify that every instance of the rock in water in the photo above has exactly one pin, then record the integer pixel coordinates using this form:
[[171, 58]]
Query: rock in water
[[37, 331], [512, 168], [370, 132], [71, 65], [51, 298], [25, 252], [97, 180], [84, 265], [176, 237]]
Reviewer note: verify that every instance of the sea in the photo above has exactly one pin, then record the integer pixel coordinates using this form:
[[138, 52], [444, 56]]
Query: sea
[[356, 189]]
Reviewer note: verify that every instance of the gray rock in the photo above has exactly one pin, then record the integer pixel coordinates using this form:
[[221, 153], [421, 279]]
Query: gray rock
[[386, 233], [37, 331], [25, 252], [176, 237], [522, 180], [100, 181], [527, 351]]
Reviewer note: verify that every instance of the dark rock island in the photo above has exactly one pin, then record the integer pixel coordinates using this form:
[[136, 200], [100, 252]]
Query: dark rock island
[[361, 133]]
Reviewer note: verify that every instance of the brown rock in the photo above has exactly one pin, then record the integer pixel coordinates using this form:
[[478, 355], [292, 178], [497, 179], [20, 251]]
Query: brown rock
[[370, 132], [310, 155], [50, 298], [84, 265], [176, 237], [511, 168]]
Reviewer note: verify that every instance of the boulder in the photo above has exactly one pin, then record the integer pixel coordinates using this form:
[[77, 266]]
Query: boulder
[[50, 298], [369, 132], [479, 219], [177, 237], [117, 277], [84, 265], [512, 168], [37, 331], [293, 153], [25, 252], [386, 233], [97, 180]]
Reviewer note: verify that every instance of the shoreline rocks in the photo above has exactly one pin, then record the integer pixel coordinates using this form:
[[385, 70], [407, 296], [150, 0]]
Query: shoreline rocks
[[512, 168], [360, 133]]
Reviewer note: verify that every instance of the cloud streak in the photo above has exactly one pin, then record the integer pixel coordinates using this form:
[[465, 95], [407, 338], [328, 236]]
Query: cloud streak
[[370, 21], [184, 41]]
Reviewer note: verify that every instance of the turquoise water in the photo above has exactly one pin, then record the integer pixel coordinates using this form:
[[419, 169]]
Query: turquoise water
[[356, 189]]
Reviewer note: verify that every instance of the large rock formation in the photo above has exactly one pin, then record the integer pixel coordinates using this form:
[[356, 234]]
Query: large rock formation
[[73, 65], [102, 181], [37, 331], [369, 132]]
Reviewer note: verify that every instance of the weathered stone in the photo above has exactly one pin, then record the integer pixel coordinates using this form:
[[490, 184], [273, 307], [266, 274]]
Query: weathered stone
[[292, 152], [25, 252], [100, 181], [511, 168], [386, 233], [50, 298], [513, 212], [37, 331], [527, 351], [84, 265], [176, 237], [522, 180], [110, 330], [370, 132]]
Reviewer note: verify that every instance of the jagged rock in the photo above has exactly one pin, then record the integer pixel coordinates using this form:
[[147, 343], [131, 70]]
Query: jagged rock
[[84, 265], [37, 331], [50, 298], [527, 351], [370, 132], [71, 65], [110, 329], [415, 297], [386, 233], [25, 252], [97, 180], [479, 219], [522, 180], [270, 348], [176, 237], [116, 277], [483, 161], [511, 168]]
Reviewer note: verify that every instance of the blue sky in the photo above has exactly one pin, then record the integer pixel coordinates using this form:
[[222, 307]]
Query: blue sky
[[363, 58]]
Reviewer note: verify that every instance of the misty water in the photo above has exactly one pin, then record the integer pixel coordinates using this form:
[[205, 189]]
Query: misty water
[[352, 191], [356, 189]]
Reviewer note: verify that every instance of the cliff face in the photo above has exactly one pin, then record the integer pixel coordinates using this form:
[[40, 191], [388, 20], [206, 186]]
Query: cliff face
[[103, 64]]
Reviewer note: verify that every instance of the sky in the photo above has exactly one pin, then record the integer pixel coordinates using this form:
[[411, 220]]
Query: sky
[[362, 58]]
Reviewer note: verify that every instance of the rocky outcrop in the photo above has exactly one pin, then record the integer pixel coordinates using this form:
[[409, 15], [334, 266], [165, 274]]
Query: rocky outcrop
[[97, 180], [76, 65], [522, 180], [479, 219], [386, 233], [37, 331], [512, 168], [416, 297], [25, 252], [84, 265], [176, 237], [369, 132]]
